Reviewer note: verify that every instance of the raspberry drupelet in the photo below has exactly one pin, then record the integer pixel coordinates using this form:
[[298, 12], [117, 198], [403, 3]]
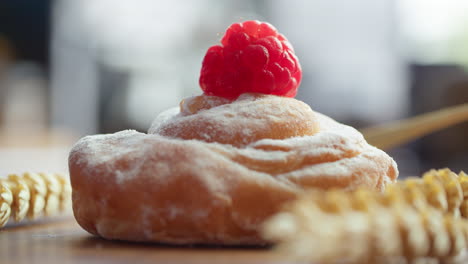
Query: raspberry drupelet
[[253, 57]]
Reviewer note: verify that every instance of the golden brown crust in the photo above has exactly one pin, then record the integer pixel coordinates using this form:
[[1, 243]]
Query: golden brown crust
[[152, 187], [174, 196]]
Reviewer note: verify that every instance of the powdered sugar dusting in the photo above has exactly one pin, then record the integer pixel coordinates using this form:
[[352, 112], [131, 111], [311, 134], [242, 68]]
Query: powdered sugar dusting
[[234, 184], [163, 118], [249, 118], [336, 151]]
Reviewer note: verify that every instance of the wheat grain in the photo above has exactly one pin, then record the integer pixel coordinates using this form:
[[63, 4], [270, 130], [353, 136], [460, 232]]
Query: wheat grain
[[33, 194], [413, 219]]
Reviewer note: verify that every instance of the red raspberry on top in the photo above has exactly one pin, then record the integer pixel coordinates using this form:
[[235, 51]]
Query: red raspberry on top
[[253, 57]]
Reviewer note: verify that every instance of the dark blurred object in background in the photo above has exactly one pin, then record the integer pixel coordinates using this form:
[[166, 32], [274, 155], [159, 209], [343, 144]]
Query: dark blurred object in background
[[26, 25], [24, 73], [434, 87]]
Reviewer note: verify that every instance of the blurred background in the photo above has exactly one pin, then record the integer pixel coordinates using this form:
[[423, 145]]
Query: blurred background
[[76, 67]]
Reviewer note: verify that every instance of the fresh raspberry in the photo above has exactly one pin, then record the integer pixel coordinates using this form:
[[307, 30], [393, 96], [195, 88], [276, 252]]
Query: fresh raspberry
[[253, 57]]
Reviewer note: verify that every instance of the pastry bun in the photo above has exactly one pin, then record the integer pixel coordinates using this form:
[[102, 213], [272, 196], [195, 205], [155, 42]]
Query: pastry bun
[[213, 171]]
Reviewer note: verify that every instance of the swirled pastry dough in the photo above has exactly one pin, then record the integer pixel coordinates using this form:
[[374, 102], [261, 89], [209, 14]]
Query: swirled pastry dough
[[213, 170]]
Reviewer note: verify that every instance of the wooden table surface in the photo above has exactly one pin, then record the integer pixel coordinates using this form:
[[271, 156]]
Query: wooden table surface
[[63, 241]]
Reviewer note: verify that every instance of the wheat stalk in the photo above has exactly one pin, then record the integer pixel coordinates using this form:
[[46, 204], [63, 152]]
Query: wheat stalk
[[33, 194], [396, 133], [383, 234], [442, 189], [415, 218]]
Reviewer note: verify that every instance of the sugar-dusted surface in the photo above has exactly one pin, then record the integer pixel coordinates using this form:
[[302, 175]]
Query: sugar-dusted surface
[[151, 187], [246, 120]]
